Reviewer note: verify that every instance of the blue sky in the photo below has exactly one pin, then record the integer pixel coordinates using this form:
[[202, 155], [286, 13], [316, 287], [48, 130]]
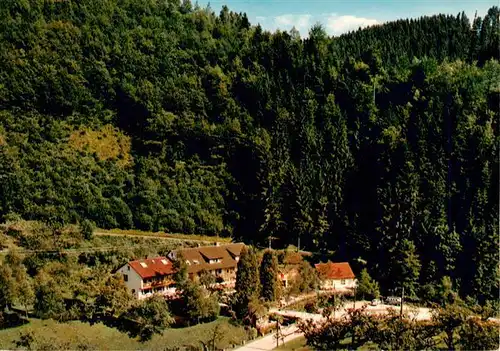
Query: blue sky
[[341, 16]]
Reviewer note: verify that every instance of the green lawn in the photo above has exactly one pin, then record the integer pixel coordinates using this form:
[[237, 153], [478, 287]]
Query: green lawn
[[53, 335], [298, 344]]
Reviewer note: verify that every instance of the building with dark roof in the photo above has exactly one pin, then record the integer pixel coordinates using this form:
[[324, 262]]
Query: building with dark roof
[[219, 260]]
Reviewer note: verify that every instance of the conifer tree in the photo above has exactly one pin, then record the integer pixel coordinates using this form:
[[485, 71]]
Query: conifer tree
[[269, 276], [367, 287], [181, 273], [247, 281]]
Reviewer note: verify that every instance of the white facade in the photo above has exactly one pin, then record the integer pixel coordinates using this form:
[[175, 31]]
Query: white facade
[[132, 280], [136, 284], [339, 284]]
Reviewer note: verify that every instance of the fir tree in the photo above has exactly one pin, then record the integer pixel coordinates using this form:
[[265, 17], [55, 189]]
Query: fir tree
[[247, 281], [367, 287], [269, 276], [181, 272]]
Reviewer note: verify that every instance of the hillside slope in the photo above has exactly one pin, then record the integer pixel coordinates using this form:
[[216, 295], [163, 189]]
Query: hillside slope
[[380, 144]]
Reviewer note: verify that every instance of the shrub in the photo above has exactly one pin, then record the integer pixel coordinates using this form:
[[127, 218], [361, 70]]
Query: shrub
[[479, 335], [148, 317], [87, 229], [311, 307]]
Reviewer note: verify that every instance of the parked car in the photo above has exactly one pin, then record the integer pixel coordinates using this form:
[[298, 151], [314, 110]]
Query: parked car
[[375, 302], [393, 300]]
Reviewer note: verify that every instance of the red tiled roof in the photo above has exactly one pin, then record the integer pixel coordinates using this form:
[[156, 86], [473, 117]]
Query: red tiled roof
[[153, 267], [339, 270]]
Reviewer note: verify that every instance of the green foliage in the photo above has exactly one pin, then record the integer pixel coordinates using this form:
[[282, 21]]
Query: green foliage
[[327, 336], [7, 287], [269, 277], [479, 335], [206, 279], [87, 229], [307, 279], [367, 288], [447, 295], [151, 316], [112, 299], [28, 340], [199, 305], [181, 272], [52, 335], [450, 319], [49, 301], [408, 267], [166, 116], [247, 281], [395, 332]]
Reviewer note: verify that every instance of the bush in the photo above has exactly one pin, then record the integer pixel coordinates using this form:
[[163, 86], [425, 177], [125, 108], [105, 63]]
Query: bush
[[87, 229], [326, 336], [49, 302], [311, 307], [198, 305], [146, 318], [479, 335]]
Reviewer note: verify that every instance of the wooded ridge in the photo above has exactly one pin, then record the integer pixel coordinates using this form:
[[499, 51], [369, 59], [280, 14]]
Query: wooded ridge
[[379, 145]]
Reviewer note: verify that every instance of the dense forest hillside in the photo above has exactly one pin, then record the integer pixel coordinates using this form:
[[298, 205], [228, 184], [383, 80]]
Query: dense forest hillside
[[381, 144]]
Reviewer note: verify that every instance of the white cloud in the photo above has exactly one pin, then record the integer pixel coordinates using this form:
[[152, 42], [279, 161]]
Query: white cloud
[[287, 22], [333, 23], [336, 25]]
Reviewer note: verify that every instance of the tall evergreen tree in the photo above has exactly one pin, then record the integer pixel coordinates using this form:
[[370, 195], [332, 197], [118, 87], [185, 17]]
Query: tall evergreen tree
[[247, 281], [270, 289]]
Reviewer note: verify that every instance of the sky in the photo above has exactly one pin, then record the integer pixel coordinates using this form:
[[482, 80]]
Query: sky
[[339, 17]]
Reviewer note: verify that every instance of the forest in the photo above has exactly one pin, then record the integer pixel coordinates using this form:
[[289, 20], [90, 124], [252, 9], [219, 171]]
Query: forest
[[378, 147]]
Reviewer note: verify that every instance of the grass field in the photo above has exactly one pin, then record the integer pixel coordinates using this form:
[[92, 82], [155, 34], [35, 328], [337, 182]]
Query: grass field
[[167, 235], [76, 335], [298, 344]]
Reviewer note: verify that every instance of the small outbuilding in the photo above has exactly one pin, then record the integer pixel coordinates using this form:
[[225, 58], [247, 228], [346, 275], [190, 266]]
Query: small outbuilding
[[336, 276]]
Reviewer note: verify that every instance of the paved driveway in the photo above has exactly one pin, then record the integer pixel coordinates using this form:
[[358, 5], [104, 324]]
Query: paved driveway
[[269, 342]]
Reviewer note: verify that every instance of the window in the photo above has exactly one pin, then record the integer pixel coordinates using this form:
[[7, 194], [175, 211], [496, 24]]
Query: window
[[164, 261], [196, 262], [144, 265], [342, 281], [133, 291], [128, 268], [219, 271], [125, 277]]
